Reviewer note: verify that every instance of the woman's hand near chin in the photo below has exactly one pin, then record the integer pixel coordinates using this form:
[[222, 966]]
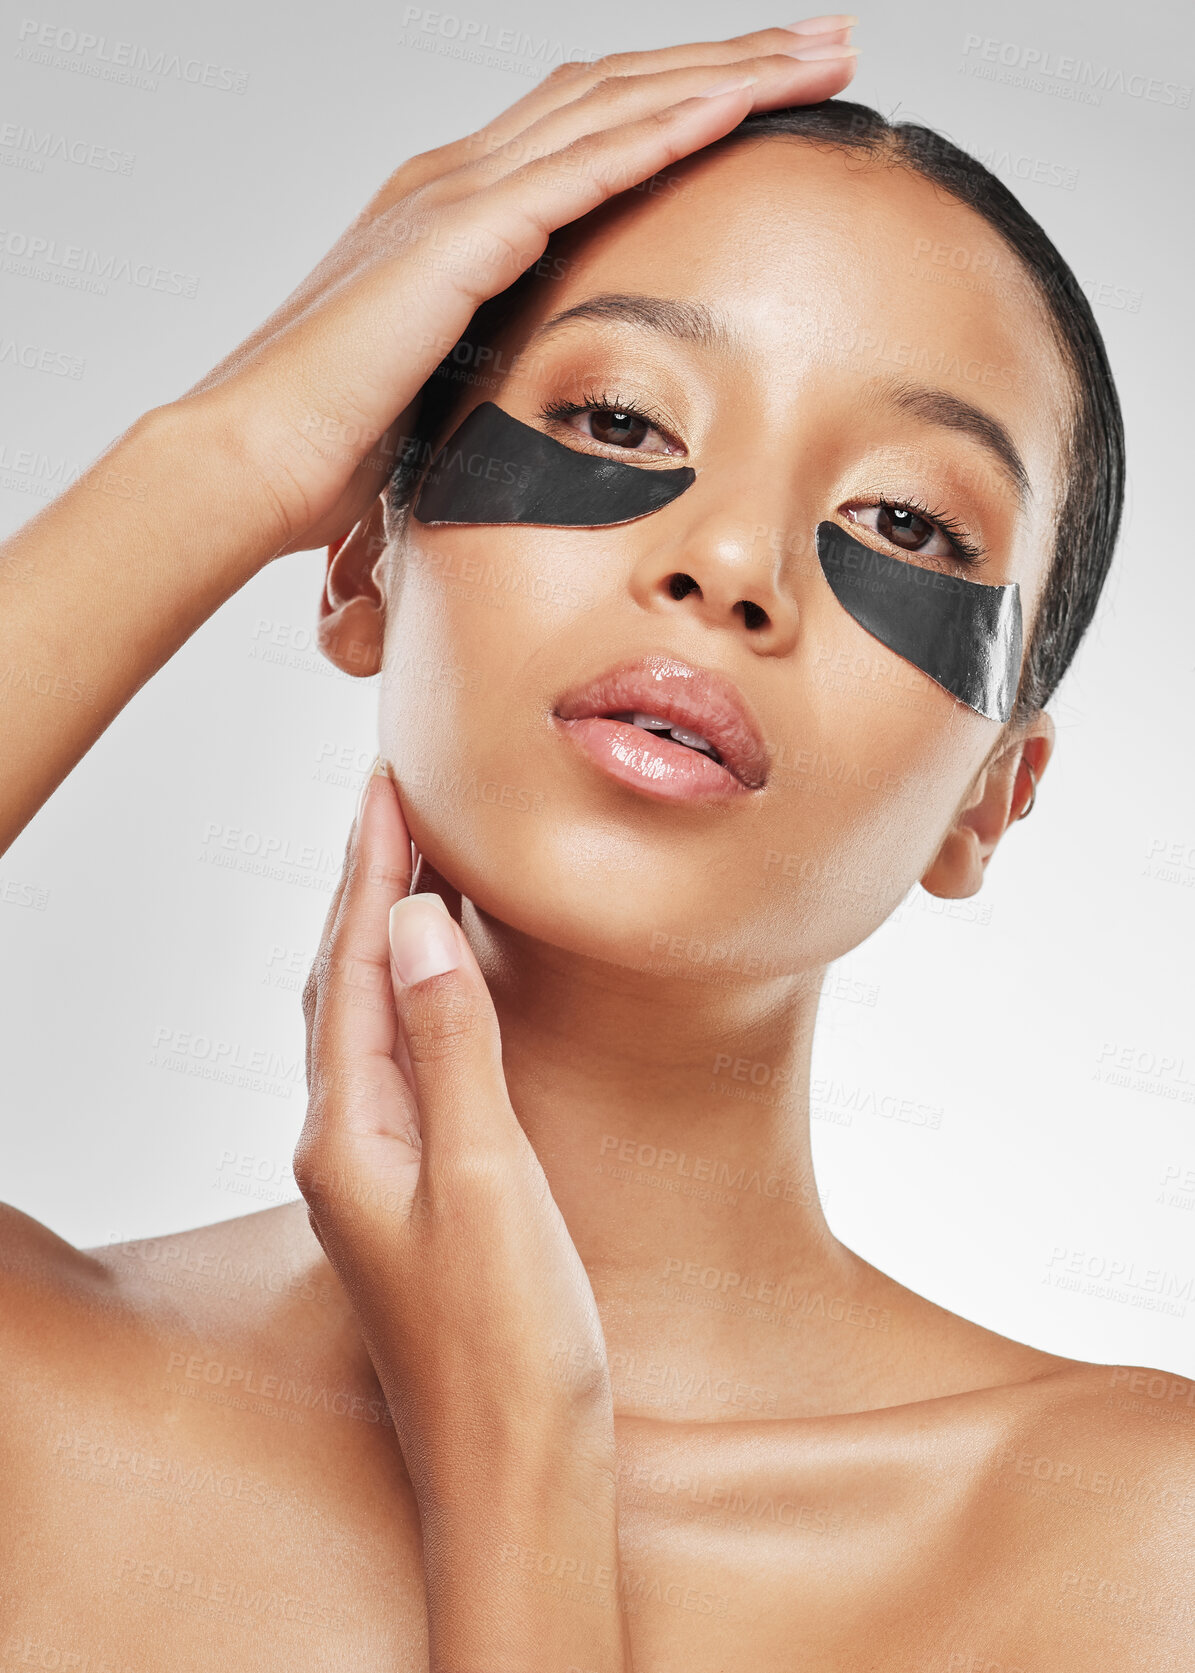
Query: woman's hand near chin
[[478, 1315]]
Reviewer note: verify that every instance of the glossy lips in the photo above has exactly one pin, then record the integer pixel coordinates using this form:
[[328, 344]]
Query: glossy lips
[[697, 701]]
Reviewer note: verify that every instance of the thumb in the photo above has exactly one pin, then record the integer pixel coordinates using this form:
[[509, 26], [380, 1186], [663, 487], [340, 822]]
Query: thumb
[[450, 1031]]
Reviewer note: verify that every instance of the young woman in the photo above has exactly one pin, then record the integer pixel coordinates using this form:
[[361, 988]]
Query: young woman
[[500, 1409]]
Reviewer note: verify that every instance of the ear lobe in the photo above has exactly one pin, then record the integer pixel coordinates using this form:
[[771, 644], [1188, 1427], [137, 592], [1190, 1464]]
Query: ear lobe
[[1000, 796], [352, 611]]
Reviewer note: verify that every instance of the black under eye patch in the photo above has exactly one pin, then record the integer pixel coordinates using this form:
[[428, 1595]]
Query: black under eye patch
[[495, 469], [965, 635]]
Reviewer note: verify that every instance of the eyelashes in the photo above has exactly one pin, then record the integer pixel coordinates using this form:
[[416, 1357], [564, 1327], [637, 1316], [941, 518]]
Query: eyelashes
[[610, 405], [629, 421], [895, 524]]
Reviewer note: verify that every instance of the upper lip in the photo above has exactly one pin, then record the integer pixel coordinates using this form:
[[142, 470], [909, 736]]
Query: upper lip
[[698, 699]]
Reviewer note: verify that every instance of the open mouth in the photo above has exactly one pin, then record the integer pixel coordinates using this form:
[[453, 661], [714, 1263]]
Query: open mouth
[[671, 730], [678, 734]]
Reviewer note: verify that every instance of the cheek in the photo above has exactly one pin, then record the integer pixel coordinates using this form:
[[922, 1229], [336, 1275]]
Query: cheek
[[865, 780], [465, 698], [491, 624]]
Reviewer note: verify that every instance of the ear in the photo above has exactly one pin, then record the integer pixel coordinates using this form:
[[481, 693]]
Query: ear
[[999, 797], [352, 612]]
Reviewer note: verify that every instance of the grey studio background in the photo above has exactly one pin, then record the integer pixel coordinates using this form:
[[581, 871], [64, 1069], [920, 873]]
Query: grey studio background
[[1004, 1087]]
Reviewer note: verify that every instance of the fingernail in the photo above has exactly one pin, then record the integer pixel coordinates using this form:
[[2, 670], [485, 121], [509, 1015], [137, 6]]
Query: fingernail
[[422, 939], [726, 87], [378, 770], [819, 54], [821, 25]]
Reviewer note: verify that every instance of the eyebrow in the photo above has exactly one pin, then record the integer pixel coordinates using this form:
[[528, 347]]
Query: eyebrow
[[950, 412], [710, 328], [691, 322]]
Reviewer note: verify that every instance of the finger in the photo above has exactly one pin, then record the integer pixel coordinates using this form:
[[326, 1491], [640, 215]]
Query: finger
[[429, 881], [571, 81], [508, 224], [779, 78], [565, 85], [450, 1029], [319, 964], [357, 1085], [574, 82]]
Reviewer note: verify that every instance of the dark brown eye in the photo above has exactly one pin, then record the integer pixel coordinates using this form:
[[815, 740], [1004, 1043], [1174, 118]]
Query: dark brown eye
[[617, 429], [903, 527], [920, 532]]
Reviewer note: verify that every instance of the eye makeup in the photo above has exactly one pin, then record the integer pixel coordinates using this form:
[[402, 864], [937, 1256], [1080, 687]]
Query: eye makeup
[[609, 404], [964, 634], [496, 469], [962, 547]]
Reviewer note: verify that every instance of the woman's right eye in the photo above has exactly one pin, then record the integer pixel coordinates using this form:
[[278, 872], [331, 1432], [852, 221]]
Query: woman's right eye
[[612, 425], [616, 429]]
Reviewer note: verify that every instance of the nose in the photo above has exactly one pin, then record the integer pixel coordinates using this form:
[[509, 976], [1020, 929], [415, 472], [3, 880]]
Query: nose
[[718, 564]]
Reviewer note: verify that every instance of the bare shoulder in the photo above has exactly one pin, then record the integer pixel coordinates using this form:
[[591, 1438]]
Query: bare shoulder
[[71, 1311], [1132, 1418], [43, 1278], [161, 1337], [60, 1327], [1094, 1483]]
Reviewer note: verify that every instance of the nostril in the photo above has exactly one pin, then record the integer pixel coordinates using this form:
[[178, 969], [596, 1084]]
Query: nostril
[[753, 616], [680, 586]]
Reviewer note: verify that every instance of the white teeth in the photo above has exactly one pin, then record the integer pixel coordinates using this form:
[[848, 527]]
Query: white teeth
[[655, 723], [693, 739]]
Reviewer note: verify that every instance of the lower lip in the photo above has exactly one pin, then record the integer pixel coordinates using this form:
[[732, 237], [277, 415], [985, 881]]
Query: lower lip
[[651, 762]]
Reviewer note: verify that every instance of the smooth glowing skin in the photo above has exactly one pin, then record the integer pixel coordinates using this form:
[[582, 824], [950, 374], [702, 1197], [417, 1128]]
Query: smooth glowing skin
[[782, 434], [842, 1488]]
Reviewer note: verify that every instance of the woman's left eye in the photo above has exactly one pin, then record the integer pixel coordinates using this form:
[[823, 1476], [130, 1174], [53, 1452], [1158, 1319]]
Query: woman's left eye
[[617, 427], [906, 528]]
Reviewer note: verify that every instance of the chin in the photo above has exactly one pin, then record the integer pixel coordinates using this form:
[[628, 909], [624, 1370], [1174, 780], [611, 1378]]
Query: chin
[[629, 892]]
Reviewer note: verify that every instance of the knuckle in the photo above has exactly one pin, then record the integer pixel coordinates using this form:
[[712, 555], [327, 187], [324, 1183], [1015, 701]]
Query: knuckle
[[425, 201], [317, 978], [414, 170], [308, 1163], [441, 1020], [663, 117], [609, 87], [617, 63], [320, 1172], [569, 70], [409, 174], [583, 151], [471, 1181]]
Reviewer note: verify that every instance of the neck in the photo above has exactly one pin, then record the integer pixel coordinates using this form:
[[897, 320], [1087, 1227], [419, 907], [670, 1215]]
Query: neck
[[671, 1117]]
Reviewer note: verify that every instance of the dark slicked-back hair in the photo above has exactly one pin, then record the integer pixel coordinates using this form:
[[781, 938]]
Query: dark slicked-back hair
[[1093, 491]]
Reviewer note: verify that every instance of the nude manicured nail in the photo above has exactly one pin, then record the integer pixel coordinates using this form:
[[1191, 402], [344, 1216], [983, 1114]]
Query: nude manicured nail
[[821, 25], [422, 938], [819, 54], [378, 768]]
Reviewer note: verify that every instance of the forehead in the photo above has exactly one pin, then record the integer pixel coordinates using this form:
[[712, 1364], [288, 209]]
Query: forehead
[[826, 262]]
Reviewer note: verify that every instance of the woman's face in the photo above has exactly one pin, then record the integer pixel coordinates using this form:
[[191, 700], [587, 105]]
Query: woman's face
[[857, 309]]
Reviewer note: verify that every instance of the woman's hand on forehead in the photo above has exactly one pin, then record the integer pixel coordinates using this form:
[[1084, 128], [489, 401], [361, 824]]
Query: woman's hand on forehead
[[319, 401], [784, 66]]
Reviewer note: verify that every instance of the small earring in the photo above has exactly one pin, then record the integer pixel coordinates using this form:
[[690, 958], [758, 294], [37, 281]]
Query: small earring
[[1028, 807], [416, 868]]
